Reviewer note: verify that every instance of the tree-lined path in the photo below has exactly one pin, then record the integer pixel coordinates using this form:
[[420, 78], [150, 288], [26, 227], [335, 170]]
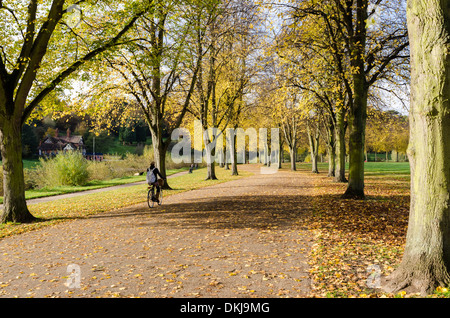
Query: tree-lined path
[[242, 238]]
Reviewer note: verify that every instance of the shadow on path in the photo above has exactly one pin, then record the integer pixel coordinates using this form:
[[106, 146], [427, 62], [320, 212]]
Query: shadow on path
[[258, 211]]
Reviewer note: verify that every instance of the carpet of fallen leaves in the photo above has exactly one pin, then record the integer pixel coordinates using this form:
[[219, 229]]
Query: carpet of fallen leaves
[[354, 238]]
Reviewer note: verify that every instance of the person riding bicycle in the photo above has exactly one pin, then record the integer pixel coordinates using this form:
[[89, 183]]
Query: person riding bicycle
[[152, 179]]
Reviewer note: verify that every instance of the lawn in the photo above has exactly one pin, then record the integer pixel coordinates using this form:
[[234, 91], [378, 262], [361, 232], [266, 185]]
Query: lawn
[[50, 213], [394, 169], [29, 163]]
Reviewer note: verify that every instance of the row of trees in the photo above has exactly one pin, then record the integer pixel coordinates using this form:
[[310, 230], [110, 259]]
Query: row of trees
[[39, 51], [342, 56], [387, 136], [332, 61], [175, 61], [160, 61], [183, 61]]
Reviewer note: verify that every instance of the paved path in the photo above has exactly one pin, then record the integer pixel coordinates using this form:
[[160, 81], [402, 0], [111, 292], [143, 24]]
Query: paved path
[[244, 238]]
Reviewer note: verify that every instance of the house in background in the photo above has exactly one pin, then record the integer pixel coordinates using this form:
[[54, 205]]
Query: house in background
[[52, 145]]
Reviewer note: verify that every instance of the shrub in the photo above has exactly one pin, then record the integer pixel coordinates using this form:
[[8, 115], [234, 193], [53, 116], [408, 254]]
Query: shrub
[[68, 168]]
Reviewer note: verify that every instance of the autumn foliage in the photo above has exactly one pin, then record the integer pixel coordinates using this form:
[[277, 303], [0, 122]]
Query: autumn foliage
[[351, 235]]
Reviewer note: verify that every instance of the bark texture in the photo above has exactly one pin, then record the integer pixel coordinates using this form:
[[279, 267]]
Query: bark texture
[[358, 108], [313, 137], [15, 206], [426, 259], [339, 175]]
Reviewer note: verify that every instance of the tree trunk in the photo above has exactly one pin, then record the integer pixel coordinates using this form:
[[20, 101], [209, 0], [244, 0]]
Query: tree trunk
[[159, 153], [313, 137], [15, 206], [331, 145], [211, 171], [340, 147], [357, 122], [331, 161], [222, 161], [358, 107], [234, 170], [314, 159], [292, 153], [426, 260], [210, 159], [280, 156], [227, 162]]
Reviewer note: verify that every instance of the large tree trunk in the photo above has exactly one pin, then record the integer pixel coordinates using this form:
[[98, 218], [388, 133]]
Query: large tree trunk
[[211, 171], [314, 160], [358, 108], [159, 152], [340, 147], [15, 206], [357, 122], [210, 159], [426, 260]]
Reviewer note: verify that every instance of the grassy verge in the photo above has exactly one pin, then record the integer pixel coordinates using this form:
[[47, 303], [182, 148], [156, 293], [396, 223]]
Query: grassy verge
[[50, 213]]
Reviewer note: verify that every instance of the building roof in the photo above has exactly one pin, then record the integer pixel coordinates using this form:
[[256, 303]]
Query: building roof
[[59, 143]]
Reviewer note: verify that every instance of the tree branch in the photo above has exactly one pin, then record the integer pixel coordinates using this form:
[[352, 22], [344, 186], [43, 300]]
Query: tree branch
[[75, 66]]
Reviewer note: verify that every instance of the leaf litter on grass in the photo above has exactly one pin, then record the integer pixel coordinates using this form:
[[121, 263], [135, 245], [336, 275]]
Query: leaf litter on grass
[[353, 237]]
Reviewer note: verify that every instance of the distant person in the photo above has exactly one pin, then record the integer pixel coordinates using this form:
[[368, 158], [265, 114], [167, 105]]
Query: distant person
[[191, 168], [152, 179]]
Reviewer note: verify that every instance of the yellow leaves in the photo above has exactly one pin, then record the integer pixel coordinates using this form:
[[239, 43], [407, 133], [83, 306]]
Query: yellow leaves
[[441, 289], [401, 293]]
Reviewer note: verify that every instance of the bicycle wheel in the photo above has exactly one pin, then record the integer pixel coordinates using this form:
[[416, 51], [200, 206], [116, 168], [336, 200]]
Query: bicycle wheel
[[150, 201]]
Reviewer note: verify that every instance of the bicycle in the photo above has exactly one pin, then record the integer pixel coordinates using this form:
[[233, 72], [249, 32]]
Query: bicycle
[[151, 198]]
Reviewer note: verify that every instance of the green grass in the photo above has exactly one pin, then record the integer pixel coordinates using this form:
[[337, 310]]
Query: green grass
[[29, 163], [370, 168], [52, 212], [119, 148], [386, 168]]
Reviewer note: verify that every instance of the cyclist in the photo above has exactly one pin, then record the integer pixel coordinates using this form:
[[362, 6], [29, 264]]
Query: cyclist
[[152, 180]]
